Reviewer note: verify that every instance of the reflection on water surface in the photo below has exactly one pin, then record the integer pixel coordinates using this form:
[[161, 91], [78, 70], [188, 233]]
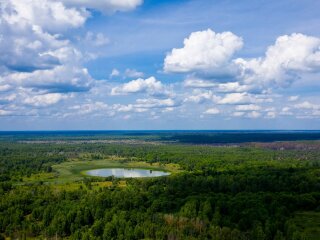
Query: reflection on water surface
[[126, 173]]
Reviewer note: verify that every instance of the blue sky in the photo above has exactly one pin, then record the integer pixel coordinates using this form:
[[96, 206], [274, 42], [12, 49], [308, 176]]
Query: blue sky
[[134, 64]]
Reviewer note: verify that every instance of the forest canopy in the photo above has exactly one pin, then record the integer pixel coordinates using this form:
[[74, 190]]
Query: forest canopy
[[232, 191]]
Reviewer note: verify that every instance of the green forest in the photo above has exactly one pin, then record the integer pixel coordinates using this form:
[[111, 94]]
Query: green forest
[[253, 190]]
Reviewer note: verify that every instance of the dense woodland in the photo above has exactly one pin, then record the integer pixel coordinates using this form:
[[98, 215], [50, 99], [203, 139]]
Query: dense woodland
[[248, 191]]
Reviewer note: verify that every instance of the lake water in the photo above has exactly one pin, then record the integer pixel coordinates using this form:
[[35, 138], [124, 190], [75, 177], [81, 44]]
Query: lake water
[[126, 173]]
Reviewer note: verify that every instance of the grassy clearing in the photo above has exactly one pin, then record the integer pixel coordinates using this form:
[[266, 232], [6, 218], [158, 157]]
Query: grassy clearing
[[73, 170], [39, 177], [76, 185]]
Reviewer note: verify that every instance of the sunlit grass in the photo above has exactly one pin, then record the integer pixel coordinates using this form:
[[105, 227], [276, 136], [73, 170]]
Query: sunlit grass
[[69, 175]]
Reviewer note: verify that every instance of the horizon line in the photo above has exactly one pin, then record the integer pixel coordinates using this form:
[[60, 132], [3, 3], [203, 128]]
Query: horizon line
[[149, 130]]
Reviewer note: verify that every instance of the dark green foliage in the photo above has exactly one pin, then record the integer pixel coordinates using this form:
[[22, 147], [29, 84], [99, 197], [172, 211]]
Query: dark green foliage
[[240, 136], [245, 192]]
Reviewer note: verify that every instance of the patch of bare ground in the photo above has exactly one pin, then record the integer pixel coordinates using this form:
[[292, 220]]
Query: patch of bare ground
[[303, 145]]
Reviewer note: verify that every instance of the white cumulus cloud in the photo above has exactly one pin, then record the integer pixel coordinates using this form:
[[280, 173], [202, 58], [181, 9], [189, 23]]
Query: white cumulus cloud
[[198, 83], [59, 79], [150, 85], [199, 96], [212, 111], [114, 73], [250, 107], [44, 100], [204, 51], [254, 114], [132, 73], [307, 105], [155, 103], [235, 87], [146, 104], [96, 39], [285, 61], [5, 112], [236, 98], [244, 98], [47, 14]]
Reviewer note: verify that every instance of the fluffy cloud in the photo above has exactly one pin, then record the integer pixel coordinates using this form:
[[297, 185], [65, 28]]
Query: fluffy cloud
[[127, 108], [144, 105], [91, 108], [254, 114], [235, 98], [7, 98], [285, 61], [293, 98], [307, 105], [198, 83], [209, 57], [286, 111], [150, 85], [47, 14], [229, 87], [235, 87], [59, 79], [128, 73], [155, 103], [27, 47], [199, 96], [212, 111], [132, 73], [44, 100], [106, 6], [271, 115], [250, 107], [96, 39], [114, 73], [5, 112], [5, 87], [39, 65], [244, 98], [238, 114], [204, 51]]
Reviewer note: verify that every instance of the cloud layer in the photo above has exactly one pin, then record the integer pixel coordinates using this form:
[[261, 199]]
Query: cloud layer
[[207, 53], [48, 49], [150, 86], [105, 6]]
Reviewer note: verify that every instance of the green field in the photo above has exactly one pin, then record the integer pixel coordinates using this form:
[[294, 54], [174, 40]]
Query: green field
[[74, 170]]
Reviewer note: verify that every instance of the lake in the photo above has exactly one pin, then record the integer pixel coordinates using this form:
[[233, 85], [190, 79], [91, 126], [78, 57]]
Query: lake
[[126, 173]]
